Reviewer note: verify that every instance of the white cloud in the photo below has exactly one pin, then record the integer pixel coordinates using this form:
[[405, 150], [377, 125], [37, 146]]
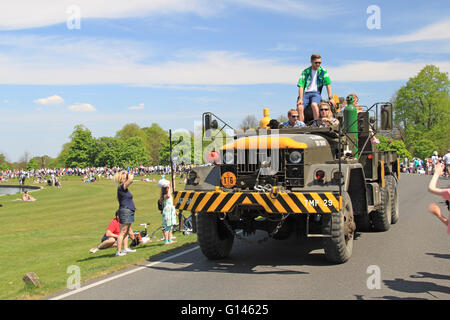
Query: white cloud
[[61, 61], [374, 71], [23, 14], [55, 99], [82, 107], [138, 107], [434, 32]]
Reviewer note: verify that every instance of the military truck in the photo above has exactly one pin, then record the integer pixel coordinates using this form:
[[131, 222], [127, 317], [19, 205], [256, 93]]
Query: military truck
[[313, 182]]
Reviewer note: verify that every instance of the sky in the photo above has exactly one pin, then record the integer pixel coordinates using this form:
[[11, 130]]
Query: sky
[[106, 64]]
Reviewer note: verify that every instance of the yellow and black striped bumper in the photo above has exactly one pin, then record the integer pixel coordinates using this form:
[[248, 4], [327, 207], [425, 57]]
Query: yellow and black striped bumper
[[284, 202]]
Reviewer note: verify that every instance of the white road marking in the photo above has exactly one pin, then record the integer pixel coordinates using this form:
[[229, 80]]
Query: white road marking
[[92, 285]]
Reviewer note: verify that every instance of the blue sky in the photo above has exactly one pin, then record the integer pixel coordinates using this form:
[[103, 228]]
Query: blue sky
[[167, 61]]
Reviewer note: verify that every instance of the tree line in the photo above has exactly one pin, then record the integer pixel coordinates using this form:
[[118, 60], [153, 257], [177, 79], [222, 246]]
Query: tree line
[[132, 146]]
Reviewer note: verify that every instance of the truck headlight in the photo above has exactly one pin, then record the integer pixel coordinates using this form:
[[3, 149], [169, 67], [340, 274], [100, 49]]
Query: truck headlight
[[295, 157]]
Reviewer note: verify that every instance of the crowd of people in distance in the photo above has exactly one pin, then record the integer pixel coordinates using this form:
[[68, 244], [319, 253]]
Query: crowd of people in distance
[[52, 177], [427, 165]]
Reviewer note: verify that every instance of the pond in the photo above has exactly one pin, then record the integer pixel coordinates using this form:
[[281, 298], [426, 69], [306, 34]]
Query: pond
[[10, 189]]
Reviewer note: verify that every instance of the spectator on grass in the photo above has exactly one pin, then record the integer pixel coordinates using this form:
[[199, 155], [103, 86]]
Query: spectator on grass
[[125, 212], [169, 213], [111, 235], [445, 193], [27, 197]]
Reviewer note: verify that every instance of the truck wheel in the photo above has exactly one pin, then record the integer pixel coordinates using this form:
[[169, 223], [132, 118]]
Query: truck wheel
[[363, 223], [382, 218], [339, 247], [393, 190], [214, 238]]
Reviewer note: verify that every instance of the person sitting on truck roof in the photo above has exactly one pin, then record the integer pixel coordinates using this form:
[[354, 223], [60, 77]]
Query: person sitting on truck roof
[[293, 121], [326, 117], [310, 87]]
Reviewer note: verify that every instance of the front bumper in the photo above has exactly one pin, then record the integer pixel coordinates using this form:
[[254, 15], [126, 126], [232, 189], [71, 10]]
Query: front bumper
[[281, 202]]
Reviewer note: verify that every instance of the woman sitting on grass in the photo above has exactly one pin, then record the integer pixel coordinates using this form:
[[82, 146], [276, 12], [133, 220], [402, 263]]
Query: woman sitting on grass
[[26, 197]]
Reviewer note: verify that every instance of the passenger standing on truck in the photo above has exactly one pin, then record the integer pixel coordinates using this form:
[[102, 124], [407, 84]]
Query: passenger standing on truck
[[310, 87], [445, 193], [293, 121]]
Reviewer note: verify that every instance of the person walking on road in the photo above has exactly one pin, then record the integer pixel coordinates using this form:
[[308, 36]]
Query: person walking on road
[[445, 193]]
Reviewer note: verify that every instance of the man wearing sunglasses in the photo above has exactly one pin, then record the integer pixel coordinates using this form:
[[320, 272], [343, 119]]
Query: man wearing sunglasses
[[310, 87], [293, 121]]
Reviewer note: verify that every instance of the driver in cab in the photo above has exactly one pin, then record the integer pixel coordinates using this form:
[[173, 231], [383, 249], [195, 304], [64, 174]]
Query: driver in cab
[[326, 117]]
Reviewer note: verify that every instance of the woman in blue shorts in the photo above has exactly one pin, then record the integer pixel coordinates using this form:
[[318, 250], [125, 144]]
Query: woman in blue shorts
[[125, 212]]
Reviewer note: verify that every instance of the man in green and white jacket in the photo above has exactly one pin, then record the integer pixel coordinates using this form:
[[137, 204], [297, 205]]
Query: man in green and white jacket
[[310, 87]]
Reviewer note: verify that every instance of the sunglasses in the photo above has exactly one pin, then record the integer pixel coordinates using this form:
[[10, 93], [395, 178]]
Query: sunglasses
[[319, 62], [294, 116], [324, 109]]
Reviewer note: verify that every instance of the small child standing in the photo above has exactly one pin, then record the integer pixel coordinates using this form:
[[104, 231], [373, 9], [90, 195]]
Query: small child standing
[[169, 213], [445, 193]]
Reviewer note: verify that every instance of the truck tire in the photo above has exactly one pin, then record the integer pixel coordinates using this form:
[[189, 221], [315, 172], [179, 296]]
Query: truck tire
[[363, 223], [392, 183], [339, 247], [214, 238], [382, 218]]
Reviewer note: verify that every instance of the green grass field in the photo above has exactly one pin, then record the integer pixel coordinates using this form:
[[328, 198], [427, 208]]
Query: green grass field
[[57, 231]]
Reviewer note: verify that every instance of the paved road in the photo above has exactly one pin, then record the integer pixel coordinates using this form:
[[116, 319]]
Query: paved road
[[413, 259]]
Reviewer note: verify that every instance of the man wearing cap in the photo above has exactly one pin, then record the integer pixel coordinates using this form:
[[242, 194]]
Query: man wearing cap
[[310, 87]]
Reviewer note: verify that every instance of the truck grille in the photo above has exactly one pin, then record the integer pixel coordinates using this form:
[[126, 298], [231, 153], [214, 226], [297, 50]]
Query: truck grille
[[249, 161]]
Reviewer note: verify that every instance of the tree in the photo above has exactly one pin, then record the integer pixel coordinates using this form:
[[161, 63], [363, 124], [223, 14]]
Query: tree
[[249, 122], [387, 144], [156, 136], [421, 107], [134, 154], [108, 152], [33, 164], [81, 152], [130, 130]]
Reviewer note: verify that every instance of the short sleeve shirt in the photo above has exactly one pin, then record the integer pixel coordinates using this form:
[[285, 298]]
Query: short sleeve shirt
[[297, 124], [323, 78], [114, 226], [125, 198]]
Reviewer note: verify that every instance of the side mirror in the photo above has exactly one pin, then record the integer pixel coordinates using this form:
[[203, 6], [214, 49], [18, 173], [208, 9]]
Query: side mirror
[[386, 117], [209, 124]]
